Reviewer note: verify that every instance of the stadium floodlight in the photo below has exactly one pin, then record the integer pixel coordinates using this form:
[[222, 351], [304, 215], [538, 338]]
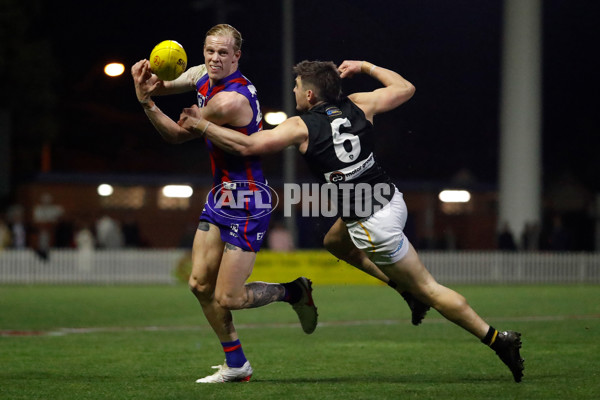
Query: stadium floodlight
[[178, 191], [114, 69], [454, 196], [275, 118], [105, 190]]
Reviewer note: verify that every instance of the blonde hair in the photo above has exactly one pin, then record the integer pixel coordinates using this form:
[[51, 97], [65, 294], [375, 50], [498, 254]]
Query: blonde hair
[[226, 30]]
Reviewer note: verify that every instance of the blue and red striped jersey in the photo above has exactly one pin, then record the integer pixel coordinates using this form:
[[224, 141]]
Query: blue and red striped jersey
[[228, 167]]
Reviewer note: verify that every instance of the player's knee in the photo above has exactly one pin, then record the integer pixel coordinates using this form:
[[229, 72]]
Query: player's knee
[[446, 300], [229, 302], [202, 290], [459, 302]]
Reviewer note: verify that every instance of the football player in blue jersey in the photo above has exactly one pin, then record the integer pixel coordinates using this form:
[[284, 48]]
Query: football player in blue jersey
[[229, 233]]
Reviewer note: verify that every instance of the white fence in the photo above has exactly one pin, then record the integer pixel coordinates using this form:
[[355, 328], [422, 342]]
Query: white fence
[[513, 267], [98, 267], [158, 267]]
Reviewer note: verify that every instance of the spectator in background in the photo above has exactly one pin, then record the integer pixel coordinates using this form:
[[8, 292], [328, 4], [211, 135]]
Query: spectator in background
[[63, 233], [506, 241], [45, 217], [86, 244], [530, 238], [18, 229], [109, 233], [131, 232], [279, 238], [559, 236]]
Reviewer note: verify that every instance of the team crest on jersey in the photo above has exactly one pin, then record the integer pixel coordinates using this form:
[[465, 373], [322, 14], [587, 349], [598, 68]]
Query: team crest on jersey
[[201, 100], [333, 111]]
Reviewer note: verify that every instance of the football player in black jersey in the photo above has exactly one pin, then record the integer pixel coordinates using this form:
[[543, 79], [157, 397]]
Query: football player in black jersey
[[335, 135]]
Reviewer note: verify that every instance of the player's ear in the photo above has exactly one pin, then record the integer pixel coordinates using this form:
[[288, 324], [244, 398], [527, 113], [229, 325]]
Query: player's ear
[[237, 55]]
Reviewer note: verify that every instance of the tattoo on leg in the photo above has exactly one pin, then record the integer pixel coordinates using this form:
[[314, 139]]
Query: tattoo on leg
[[203, 226], [230, 247], [233, 247], [262, 293]]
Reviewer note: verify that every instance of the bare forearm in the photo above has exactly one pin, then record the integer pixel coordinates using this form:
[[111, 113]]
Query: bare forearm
[[231, 141], [386, 76], [168, 129], [184, 83]]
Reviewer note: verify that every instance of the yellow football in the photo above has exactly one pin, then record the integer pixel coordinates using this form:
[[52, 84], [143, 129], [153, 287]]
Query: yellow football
[[168, 60]]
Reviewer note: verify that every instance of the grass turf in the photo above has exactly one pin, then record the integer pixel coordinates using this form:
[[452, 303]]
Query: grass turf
[[73, 342]]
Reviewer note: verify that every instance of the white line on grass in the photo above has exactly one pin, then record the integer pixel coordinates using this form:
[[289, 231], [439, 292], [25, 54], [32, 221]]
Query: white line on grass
[[112, 329]]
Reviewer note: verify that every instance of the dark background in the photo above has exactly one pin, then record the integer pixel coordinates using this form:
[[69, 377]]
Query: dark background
[[53, 53]]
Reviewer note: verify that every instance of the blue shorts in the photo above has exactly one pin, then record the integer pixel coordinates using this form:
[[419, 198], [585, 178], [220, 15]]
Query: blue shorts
[[241, 215]]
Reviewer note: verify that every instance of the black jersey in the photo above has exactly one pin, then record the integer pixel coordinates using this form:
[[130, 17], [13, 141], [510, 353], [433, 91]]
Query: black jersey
[[340, 152]]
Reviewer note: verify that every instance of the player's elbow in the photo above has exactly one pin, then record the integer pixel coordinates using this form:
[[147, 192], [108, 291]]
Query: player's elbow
[[402, 95], [410, 89], [406, 92]]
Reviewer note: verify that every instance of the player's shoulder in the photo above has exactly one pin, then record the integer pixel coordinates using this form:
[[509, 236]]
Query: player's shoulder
[[229, 101], [192, 76]]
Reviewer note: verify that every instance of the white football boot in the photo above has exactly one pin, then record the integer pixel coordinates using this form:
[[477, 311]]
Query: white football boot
[[226, 374]]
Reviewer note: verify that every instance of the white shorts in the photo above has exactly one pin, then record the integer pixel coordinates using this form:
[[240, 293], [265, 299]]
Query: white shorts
[[380, 236]]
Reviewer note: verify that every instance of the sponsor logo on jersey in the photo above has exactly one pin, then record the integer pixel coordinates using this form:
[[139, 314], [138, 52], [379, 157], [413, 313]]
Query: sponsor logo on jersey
[[336, 177], [351, 172], [201, 100], [234, 229], [333, 111]]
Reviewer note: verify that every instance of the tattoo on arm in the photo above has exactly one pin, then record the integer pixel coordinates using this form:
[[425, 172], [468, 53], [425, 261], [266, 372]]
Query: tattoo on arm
[[262, 293]]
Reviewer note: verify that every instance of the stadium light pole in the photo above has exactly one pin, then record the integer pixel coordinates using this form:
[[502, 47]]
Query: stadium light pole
[[289, 155], [520, 115]]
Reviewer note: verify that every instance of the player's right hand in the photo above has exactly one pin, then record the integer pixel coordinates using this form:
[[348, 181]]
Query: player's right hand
[[349, 68], [146, 83]]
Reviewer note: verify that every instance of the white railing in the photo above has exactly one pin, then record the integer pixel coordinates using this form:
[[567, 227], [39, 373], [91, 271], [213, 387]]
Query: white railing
[[101, 267], [158, 267], [513, 267]]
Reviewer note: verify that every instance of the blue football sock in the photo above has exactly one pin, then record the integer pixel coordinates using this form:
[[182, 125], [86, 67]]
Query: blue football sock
[[234, 355]]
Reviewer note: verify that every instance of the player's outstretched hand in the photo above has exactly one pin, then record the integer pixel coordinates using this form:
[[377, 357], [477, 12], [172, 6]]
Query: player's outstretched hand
[[349, 68], [144, 80]]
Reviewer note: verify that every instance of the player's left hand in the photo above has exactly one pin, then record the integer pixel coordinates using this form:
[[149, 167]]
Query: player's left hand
[[189, 117]]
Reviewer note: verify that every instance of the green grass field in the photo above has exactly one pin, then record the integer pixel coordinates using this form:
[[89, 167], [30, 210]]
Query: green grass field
[[73, 342]]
